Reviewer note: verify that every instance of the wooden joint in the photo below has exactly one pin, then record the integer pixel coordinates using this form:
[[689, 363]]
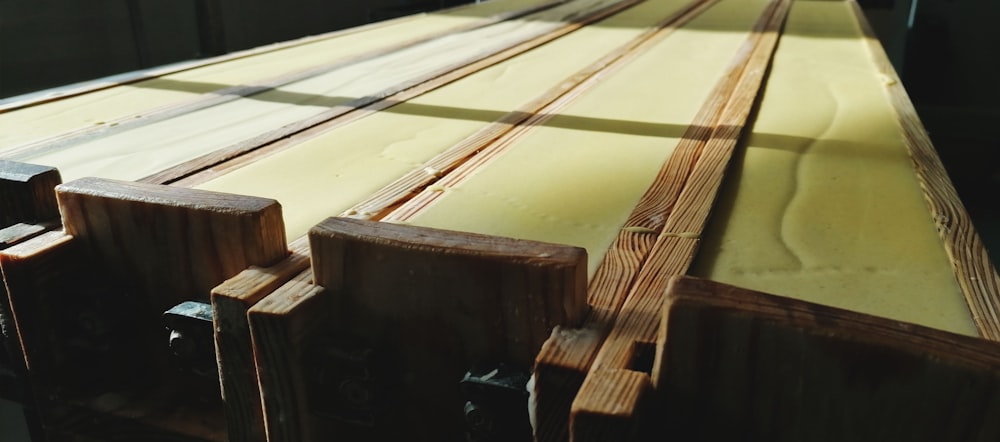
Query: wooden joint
[[422, 320], [89, 302]]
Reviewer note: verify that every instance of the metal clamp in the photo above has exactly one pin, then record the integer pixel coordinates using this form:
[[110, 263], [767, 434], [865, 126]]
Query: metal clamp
[[496, 407], [190, 336]]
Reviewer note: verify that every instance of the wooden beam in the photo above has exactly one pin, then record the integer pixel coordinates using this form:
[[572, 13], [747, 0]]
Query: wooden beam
[[148, 235], [26, 194], [234, 156], [675, 246], [233, 346], [734, 363], [87, 302], [427, 305]]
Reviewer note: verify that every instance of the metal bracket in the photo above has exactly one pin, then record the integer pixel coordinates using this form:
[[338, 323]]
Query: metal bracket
[[496, 407], [343, 384], [191, 340]]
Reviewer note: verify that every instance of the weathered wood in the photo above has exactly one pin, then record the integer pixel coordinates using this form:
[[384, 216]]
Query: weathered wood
[[676, 243], [26, 193], [13, 385], [87, 302], [734, 363], [150, 235], [976, 275], [234, 350], [429, 304]]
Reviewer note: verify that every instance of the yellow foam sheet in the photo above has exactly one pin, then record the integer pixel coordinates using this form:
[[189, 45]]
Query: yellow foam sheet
[[324, 176], [139, 152], [576, 179], [824, 204], [99, 108]]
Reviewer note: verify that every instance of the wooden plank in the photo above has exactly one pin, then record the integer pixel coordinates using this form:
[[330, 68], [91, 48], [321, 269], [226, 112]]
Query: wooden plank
[[675, 245], [87, 302], [430, 304], [976, 275], [233, 156], [732, 362], [49, 95], [13, 385], [405, 187], [279, 325], [26, 193], [271, 114], [149, 234], [239, 91], [233, 346]]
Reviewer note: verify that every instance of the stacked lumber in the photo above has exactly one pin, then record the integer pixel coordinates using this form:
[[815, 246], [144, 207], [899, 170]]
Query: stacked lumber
[[477, 224]]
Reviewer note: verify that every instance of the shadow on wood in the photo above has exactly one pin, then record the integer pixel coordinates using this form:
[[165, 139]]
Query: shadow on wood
[[733, 363], [376, 348], [88, 301]]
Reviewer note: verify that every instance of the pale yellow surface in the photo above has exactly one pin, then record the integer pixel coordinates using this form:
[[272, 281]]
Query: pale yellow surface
[[825, 205], [97, 108], [324, 176], [576, 179], [140, 152]]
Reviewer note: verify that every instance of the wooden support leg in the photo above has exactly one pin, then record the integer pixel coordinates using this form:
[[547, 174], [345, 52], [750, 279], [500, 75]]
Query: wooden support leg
[[737, 364], [88, 302], [377, 347]]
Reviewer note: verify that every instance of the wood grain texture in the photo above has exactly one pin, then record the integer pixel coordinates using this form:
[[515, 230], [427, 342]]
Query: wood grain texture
[[517, 290], [676, 244], [149, 234], [237, 92], [430, 304], [279, 325], [26, 193], [231, 301], [977, 276], [214, 164], [733, 363], [35, 272]]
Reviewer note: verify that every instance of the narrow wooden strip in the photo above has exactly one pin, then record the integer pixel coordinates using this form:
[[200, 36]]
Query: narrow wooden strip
[[231, 301], [733, 363], [695, 201], [561, 366], [276, 325], [975, 272], [213, 164], [394, 194], [675, 246], [233, 93]]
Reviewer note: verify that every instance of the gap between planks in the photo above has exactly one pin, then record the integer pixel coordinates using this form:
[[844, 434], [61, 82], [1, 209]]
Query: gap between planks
[[229, 94], [227, 159], [676, 244]]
